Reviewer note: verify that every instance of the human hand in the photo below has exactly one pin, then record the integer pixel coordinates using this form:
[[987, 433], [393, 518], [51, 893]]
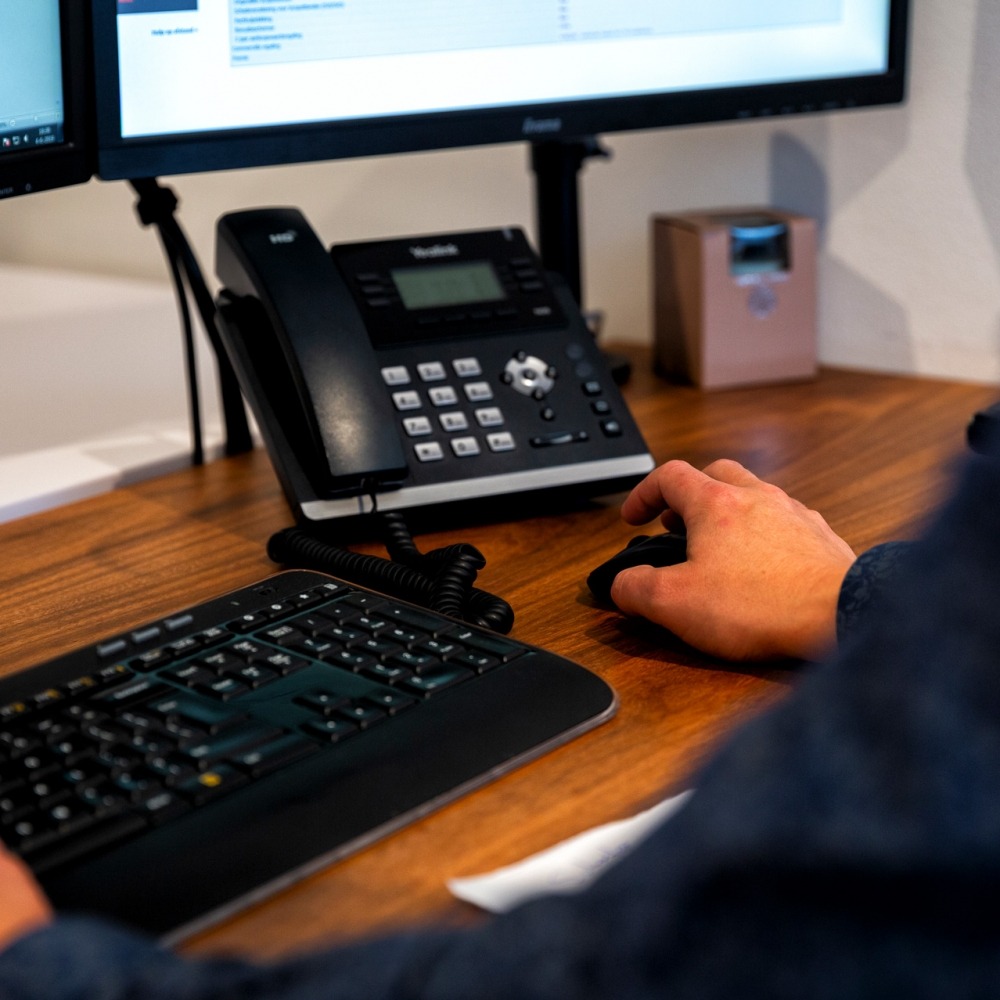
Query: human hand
[[23, 906], [763, 572]]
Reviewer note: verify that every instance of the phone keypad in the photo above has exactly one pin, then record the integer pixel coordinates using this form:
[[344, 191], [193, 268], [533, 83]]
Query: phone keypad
[[452, 421], [441, 404]]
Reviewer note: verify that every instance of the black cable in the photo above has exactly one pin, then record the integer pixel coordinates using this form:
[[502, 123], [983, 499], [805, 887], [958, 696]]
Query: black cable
[[156, 207], [441, 580], [191, 367]]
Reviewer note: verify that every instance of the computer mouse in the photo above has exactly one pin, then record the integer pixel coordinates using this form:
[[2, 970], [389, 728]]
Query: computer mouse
[[667, 549]]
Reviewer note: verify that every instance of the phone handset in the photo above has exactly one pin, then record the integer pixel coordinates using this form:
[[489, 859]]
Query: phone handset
[[273, 256]]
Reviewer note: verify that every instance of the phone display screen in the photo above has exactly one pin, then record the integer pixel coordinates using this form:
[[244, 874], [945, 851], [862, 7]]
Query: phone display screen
[[437, 286]]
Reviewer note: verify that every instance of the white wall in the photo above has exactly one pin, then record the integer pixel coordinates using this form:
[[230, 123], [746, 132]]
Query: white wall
[[908, 200]]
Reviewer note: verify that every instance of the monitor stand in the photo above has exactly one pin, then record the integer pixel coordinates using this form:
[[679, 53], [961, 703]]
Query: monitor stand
[[557, 165]]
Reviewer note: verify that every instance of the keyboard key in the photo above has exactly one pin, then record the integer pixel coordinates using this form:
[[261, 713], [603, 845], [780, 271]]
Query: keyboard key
[[223, 688], [211, 784], [432, 683], [49, 852], [392, 702], [275, 754], [331, 730], [496, 645], [163, 806], [324, 702], [213, 718], [362, 715], [480, 662], [229, 743]]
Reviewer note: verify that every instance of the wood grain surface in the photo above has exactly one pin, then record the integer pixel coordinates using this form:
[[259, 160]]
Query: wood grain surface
[[874, 453]]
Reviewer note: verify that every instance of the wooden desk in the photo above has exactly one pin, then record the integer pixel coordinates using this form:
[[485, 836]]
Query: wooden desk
[[871, 452]]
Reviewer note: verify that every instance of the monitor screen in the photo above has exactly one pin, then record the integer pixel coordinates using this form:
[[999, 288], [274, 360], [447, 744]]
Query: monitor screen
[[190, 85], [44, 94]]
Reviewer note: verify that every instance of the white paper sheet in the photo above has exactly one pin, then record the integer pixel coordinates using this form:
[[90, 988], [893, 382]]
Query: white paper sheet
[[566, 868]]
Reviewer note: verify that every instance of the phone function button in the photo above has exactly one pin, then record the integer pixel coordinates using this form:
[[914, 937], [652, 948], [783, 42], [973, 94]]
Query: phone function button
[[559, 438], [429, 451], [431, 371], [478, 392], [489, 416], [467, 367], [465, 447], [443, 395], [407, 400], [500, 441], [454, 421], [396, 375], [529, 375], [417, 426]]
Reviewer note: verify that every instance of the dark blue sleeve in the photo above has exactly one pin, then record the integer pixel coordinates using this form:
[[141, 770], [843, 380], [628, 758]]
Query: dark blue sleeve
[[874, 572], [83, 959], [845, 843]]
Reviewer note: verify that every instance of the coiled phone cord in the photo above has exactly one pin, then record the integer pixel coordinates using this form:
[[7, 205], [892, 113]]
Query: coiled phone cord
[[441, 580]]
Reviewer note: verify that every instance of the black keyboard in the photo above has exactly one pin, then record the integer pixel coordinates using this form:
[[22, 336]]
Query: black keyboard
[[171, 775]]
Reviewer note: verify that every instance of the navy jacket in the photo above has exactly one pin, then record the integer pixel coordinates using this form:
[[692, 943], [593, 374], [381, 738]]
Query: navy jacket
[[844, 844]]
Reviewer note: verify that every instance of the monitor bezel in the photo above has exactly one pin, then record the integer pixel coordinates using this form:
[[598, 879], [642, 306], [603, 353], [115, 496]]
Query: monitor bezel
[[69, 162], [184, 153]]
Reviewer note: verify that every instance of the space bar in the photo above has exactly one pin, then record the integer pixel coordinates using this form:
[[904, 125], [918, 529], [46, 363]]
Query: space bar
[[93, 838]]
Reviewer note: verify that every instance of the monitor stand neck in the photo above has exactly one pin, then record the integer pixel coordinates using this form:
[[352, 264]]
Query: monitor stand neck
[[557, 165]]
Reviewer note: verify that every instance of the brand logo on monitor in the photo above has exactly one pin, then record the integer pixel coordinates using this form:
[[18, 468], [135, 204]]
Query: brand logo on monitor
[[541, 126], [438, 250], [283, 239]]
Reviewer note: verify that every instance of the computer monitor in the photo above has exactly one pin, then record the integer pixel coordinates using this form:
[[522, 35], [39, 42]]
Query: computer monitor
[[194, 85], [44, 96]]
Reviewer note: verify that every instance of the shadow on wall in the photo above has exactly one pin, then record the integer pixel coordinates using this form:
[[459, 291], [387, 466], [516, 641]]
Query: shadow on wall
[[983, 132], [859, 323]]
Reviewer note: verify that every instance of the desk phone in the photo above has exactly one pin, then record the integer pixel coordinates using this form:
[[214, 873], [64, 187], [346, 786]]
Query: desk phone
[[412, 372]]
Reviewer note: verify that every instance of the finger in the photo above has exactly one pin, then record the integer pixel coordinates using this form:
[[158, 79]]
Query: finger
[[668, 487], [727, 470]]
